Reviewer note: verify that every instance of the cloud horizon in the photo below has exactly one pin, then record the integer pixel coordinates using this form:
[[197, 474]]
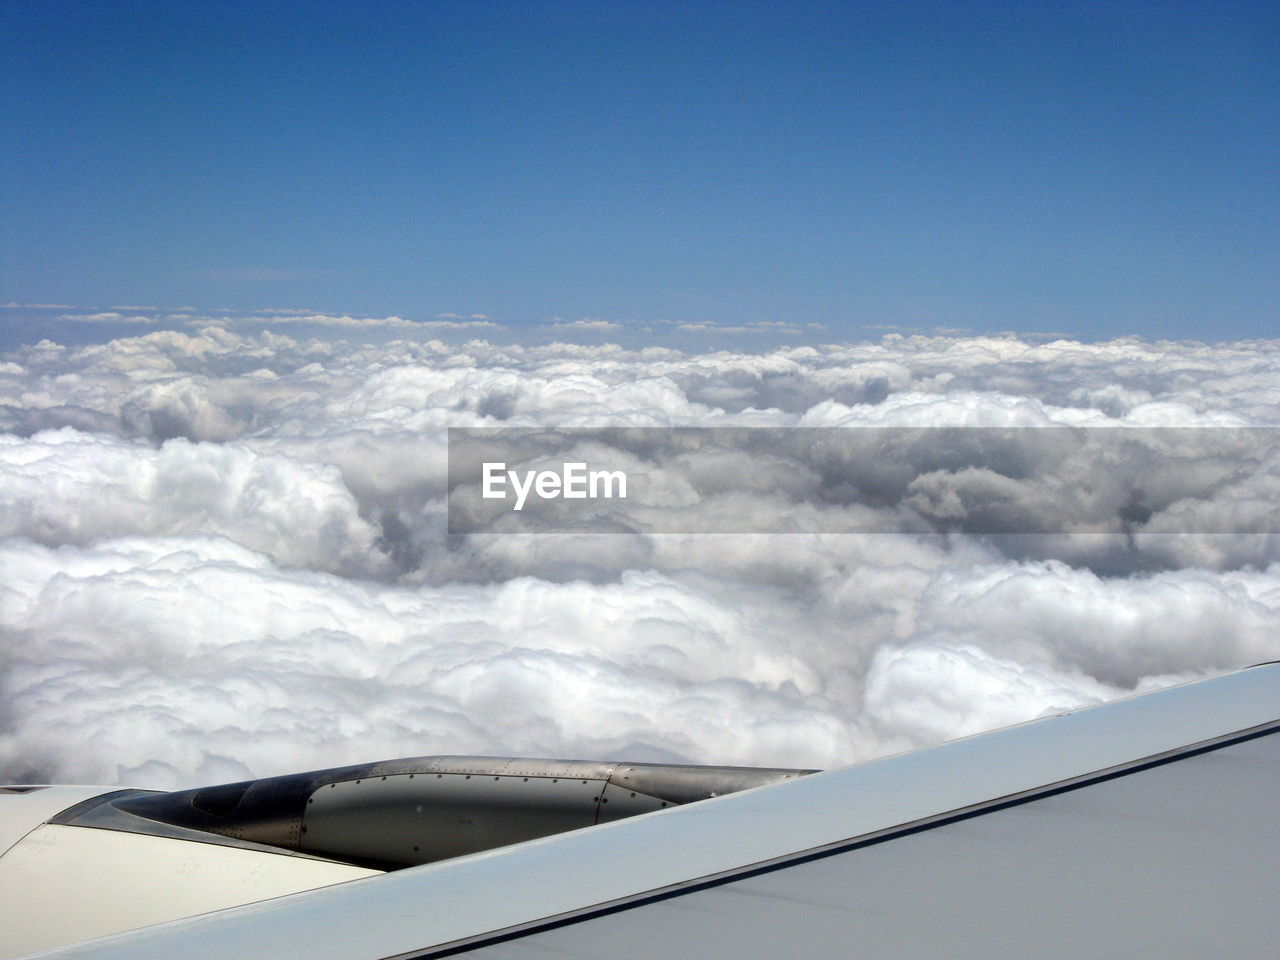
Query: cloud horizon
[[223, 555]]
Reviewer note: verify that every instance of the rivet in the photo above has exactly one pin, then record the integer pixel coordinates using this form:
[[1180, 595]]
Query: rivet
[[468, 776], [633, 794], [495, 778], [439, 775], [605, 800], [416, 849]]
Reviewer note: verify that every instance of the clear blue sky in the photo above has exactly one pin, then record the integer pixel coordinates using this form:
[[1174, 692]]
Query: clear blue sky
[[1098, 169]]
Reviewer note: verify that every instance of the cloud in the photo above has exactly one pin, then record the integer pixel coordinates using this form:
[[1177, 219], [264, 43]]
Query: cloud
[[301, 661], [476, 322], [761, 326], [222, 552], [282, 317], [66, 487], [112, 316], [586, 324], [329, 320], [924, 692]]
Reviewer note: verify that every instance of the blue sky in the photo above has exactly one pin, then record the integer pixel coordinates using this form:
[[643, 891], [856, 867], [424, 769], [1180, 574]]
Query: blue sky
[[1093, 169]]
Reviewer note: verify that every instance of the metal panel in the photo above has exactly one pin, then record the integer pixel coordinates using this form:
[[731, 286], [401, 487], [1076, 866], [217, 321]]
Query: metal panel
[[533, 798], [417, 818], [636, 788], [1176, 862], [618, 803], [23, 808], [468, 899], [63, 884], [687, 784], [110, 812]]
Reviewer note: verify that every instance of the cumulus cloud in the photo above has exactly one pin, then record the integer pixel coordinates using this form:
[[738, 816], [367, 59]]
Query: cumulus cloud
[[477, 322], [587, 324], [115, 315], [758, 326], [223, 551], [333, 320], [65, 487], [136, 643]]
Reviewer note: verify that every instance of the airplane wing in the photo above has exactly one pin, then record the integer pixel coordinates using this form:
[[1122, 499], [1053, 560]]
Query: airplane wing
[[1140, 828]]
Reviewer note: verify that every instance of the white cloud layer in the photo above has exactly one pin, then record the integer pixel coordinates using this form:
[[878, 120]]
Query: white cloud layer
[[222, 555]]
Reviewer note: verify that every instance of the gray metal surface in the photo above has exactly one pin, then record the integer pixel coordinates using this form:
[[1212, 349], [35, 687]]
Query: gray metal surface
[[1149, 840], [109, 811], [469, 804], [1176, 862], [397, 813], [412, 818], [618, 802]]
